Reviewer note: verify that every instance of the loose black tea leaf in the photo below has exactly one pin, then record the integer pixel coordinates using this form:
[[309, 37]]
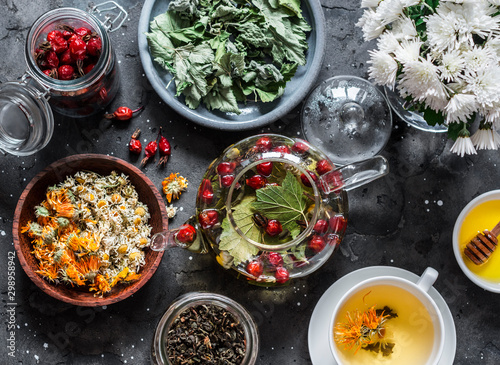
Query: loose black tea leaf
[[389, 312], [206, 334]]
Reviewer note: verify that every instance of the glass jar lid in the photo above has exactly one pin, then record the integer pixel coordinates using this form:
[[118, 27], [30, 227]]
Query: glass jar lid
[[26, 120]]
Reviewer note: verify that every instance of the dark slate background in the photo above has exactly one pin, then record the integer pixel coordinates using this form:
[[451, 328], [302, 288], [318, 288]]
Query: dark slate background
[[404, 220]]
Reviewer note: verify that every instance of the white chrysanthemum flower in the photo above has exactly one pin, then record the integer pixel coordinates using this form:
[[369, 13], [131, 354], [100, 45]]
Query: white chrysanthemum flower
[[479, 58], [493, 43], [460, 108], [408, 51], [485, 85], [383, 68], [404, 28], [494, 2], [463, 146], [441, 31], [452, 64], [371, 24], [369, 3], [390, 10], [387, 42], [421, 81], [486, 139], [408, 3]]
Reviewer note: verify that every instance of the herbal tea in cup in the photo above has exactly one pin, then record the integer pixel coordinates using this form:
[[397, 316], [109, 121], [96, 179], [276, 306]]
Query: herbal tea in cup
[[388, 320]]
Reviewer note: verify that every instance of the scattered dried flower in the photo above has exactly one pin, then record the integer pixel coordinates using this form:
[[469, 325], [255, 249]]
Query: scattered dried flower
[[173, 186]]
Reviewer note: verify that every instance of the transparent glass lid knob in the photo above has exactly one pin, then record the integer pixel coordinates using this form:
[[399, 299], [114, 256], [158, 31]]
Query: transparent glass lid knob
[[348, 118]]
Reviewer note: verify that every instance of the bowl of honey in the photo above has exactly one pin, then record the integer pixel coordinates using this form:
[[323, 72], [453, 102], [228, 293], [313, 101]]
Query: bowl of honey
[[475, 241]]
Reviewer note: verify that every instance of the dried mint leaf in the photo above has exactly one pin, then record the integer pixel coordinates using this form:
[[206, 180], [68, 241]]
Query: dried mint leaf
[[231, 241], [286, 203], [223, 52]]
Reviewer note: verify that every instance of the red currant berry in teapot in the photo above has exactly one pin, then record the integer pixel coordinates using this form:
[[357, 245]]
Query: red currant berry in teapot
[[208, 218], [226, 181], [338, 223], [273, 227], [226, 168], [282, 275], [206, 192], [186, 234], [323, 166], [316, 243], [256, 182], [255, 268], [265, 168], [275, 259], [284, 150], [321, 226], [300, 147], [306, 181], [264, 144]]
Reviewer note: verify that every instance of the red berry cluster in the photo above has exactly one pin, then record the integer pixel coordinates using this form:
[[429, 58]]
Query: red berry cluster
[[68, 53], [272, 262]]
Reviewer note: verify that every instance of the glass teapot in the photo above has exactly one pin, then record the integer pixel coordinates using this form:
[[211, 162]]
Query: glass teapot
[[271, 208]]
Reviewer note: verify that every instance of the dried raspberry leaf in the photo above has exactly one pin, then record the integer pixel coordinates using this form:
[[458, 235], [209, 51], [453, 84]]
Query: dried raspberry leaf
[[231, 241]]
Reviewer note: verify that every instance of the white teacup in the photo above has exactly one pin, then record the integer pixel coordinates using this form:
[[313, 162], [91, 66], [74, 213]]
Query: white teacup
[[418, 290]]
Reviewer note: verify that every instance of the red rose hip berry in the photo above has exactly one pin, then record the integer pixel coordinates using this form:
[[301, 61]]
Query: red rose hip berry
[[226, 168], [94, 46], [208, 218], [255, 268], [256, 182], [305, 180], [300, 147], [275, 259], [78, 49], [226, 181], [321, 226], [323, 166], [265, 168], [273, 227], [186, 234], [66, 72], [264, 144], [316, 243], [282, 275]]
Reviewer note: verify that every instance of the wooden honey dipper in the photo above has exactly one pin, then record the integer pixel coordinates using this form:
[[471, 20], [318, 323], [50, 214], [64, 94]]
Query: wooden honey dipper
[[480, 248]]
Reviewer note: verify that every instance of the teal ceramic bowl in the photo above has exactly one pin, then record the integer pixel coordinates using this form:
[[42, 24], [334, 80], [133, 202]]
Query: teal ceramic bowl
[[253, 114]]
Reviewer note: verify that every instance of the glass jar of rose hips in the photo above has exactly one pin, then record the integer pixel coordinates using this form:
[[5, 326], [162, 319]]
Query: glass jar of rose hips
[[71, 70]]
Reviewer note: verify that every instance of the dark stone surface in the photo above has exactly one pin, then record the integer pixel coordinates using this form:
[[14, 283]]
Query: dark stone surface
[[404, 220]]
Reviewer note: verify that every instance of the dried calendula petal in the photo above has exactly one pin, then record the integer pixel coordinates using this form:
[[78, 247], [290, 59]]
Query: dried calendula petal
[[173, 186]]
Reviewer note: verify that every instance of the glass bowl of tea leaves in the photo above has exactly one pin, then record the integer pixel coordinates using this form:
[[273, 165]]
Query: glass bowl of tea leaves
[[208, 328]]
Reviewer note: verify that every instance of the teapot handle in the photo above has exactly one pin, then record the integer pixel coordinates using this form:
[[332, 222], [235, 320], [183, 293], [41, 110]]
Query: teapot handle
[[351, 176]]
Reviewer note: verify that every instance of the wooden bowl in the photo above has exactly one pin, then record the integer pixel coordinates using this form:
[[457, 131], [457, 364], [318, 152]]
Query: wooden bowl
[[55, 173]]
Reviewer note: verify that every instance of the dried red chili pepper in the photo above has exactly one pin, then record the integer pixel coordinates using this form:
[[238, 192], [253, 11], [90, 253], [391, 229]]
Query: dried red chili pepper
[[135, 145], [164, 147], [123, 113]]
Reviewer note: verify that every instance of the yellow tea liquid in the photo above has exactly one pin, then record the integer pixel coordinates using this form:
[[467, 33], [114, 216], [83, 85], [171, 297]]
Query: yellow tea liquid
[[412, 332], [484, 216]]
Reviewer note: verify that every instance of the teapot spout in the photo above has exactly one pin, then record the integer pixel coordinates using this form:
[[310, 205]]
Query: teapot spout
[[187, 236], [354, 175]]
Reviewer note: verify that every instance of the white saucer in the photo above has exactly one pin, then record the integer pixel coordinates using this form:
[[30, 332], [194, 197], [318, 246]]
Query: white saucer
[[319, 348]]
